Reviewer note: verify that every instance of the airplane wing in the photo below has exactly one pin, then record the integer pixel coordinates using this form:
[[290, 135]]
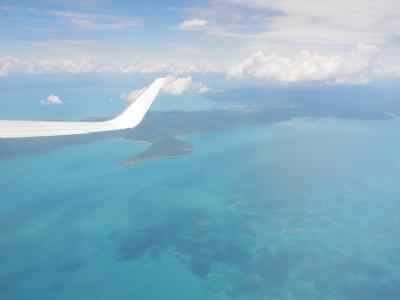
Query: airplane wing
[[129, 118]]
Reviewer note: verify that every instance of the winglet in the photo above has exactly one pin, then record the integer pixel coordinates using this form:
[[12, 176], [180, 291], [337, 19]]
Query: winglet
[[133, 115]]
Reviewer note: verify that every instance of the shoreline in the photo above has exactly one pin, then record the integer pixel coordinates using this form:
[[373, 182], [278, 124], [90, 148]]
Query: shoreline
[[162, 149], [128, 163]]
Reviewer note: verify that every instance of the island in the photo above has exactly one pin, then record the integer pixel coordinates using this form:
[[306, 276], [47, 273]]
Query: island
[[165, 148]]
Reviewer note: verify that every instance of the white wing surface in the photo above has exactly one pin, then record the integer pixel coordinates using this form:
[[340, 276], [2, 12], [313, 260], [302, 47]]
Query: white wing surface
[[130, 118]]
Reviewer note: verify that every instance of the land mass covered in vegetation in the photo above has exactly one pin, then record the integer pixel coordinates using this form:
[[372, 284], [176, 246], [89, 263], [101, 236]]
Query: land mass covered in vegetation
[[162, 129]]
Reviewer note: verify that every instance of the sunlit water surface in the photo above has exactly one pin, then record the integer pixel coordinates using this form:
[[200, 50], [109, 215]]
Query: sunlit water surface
[[297, 210]]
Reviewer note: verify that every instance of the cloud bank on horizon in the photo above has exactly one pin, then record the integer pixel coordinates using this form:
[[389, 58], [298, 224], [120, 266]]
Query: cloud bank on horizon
[[283, 41]]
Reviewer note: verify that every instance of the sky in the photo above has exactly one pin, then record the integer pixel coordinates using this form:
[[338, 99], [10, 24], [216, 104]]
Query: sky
[[349, 42]]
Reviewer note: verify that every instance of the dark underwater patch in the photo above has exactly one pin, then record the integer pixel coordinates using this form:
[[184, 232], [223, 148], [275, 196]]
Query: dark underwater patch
[[11, 281], [206, 243], [72, 265]]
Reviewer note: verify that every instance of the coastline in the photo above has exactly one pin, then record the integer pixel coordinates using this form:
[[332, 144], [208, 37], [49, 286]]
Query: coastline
[[162, 149]]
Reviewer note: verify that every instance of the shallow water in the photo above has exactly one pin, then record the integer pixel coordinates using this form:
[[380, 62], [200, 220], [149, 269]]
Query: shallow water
[[295, 210]]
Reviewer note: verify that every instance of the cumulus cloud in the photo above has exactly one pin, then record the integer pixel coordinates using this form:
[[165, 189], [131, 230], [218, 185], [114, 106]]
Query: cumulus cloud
[[169, 66], [356, 67], [200, 88], [84, 64], [176, 86], [193, 24], [173, 85], [51, 100], [133, 95], [46, 66], [276, 64], [7, 62]]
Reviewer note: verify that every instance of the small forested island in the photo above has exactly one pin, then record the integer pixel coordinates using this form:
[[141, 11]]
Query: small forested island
[[164, 148]]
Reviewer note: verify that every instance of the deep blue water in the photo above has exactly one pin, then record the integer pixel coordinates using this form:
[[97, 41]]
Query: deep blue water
[[295, 210]]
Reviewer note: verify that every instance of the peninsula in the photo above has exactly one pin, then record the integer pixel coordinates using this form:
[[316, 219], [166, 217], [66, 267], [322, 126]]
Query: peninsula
[[165, 148], [161, 129]]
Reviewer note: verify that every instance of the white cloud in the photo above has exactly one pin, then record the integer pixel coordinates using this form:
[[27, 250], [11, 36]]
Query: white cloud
[[193, 24], [49, 66], [354, 68], [315, 21], [7, 62], [98, 21], [85, 64], [173, 85], [176, 86], [274, 64], [200, 88], [51, 99], [133, 95], [168, 66], [328, 28]]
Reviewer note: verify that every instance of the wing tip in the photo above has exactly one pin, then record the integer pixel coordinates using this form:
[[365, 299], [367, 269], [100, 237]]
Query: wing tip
[[133, 115]]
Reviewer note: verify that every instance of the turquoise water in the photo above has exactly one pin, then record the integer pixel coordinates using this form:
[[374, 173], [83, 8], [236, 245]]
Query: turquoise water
[[295, 210]]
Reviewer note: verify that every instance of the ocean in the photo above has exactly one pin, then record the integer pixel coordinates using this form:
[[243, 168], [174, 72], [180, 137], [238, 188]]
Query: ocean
[[301, 209]]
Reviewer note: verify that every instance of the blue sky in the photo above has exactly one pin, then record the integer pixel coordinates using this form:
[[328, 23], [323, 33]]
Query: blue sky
[[263, 41]]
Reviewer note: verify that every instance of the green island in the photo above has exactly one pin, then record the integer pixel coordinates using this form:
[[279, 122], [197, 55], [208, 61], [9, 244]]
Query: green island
[[164, 148]]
